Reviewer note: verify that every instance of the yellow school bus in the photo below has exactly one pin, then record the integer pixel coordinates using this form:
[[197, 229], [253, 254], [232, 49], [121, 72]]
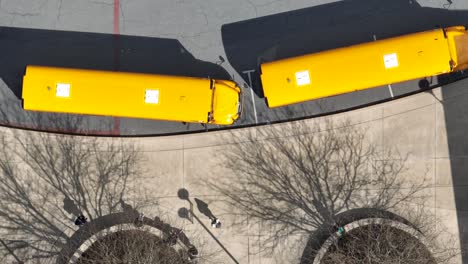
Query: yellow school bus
[[364, 66], [137, 95]]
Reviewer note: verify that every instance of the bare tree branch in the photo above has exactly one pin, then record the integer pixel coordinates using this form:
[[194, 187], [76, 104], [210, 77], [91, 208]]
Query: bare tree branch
[[38, 171], [294, 178]]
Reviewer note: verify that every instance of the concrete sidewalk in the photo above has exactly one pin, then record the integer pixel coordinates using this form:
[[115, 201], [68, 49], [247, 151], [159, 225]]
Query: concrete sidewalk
[[414, 125]]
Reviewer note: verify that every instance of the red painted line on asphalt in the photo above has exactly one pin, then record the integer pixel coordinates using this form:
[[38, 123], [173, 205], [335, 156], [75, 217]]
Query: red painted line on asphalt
[[116, 129], [116, 16]]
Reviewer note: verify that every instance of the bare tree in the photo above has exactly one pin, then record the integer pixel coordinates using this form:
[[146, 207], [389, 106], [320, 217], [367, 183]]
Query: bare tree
[[294, 178], [366, 244], [47, 180], [133, 246], [379, 241], [58, 191]]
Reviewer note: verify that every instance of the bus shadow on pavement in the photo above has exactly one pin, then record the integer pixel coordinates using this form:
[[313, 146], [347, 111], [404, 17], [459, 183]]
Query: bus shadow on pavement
[[249, 43], [21, 46]]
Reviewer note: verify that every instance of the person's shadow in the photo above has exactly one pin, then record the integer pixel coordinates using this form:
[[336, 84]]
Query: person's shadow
[[203, 208], [70, 207]]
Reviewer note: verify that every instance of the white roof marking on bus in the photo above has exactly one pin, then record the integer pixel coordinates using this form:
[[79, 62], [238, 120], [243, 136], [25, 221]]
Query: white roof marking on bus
[[152, 96], [390, 60], [63, 90], [302, 78]]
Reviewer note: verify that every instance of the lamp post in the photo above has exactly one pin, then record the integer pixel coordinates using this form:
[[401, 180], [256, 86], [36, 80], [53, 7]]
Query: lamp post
[[188, 214]]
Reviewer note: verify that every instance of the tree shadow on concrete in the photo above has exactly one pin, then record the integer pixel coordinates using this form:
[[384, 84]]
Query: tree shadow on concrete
[[295, 178], [251, 42], [21, 46], [46, 180]]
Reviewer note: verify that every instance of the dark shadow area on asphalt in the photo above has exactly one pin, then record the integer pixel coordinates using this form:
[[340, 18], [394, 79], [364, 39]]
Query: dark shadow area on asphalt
[[246, 43], [455, 107], [21, 46], [318, 237], [251, 42]]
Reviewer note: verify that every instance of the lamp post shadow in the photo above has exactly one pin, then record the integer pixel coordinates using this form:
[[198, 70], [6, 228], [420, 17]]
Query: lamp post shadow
[[190, 215]]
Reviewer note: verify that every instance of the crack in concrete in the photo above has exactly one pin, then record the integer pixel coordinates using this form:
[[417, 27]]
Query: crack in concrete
[[122, 15], [26, 14], [205, 15], [102, 3], [59, 11], [203, 12], [197, 44], [270, 3], [194, 35], [254, 7], [22, 14]]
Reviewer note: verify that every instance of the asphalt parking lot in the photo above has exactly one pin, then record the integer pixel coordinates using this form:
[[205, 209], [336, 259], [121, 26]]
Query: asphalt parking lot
[[220, 39], [228, 39]]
